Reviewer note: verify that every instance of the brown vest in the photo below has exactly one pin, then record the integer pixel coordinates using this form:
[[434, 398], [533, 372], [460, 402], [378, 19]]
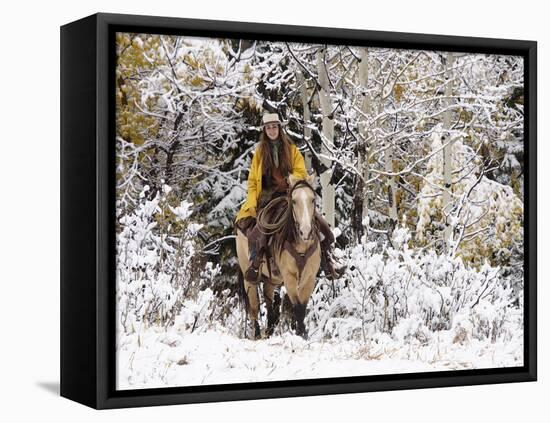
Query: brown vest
[[270, 186], [278, 181]]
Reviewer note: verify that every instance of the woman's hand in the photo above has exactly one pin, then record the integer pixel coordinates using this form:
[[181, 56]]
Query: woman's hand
[[282, 185]]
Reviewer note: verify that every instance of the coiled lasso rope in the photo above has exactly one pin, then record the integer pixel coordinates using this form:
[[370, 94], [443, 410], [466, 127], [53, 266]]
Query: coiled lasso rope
[[279, 220]]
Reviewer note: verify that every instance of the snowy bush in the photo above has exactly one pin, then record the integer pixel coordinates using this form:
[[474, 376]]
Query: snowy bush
[[155, 253], [412, 294]]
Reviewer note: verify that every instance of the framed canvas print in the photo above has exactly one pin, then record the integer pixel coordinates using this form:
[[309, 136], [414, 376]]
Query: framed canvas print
[[255, 211]]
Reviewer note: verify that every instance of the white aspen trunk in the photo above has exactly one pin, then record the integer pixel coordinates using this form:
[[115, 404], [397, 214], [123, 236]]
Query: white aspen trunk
[[327, 190], [307, 115], [366, 107], [388, 167], [447, 151], [392, 186]]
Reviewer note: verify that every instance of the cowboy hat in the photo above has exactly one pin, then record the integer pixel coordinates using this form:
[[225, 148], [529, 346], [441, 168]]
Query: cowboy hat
[[270, 117]]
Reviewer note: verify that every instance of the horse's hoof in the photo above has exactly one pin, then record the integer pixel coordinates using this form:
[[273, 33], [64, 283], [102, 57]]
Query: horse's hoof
[[257, 332], [269, 331], [302, 333]]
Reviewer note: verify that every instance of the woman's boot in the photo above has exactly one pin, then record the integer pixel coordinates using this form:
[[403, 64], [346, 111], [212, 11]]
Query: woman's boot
[[327, 264], [256, 245]]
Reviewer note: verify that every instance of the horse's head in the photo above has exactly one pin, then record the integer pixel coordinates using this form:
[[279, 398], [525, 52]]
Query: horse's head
[[302, 198]]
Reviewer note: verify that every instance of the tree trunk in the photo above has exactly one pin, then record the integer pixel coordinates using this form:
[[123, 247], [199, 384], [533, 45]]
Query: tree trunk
[[307, 115], [361, 200], [388, 166], [447, 151], [327, 190], [392, 186]]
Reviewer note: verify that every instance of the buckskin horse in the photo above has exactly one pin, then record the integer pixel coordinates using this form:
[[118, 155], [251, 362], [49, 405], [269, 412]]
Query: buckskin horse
[[295, 251]]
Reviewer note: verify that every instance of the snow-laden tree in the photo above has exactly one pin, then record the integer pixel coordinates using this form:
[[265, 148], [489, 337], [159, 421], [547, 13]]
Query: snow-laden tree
[[484, 217], [420, 156], [192, 93]]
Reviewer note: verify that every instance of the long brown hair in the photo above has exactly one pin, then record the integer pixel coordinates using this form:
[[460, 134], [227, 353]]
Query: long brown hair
[[284, 153]]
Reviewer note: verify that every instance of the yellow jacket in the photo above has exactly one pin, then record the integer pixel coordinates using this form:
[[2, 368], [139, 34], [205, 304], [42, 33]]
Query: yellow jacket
[[255, 180]]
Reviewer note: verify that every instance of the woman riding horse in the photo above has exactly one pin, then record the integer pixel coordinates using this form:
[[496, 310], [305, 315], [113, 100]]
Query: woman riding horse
[[275, 158]]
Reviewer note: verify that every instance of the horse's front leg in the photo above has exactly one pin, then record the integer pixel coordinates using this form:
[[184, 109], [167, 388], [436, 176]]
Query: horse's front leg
[[273, 305], [299, 316], [305, 289], [299, 292], [299, 303]]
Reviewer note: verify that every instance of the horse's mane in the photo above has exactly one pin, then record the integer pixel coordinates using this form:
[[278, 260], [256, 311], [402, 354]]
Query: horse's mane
[[283, 228]]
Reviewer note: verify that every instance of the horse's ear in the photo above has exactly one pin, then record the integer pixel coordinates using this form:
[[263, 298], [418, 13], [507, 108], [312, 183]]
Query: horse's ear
[[292, 180], [312, 180]]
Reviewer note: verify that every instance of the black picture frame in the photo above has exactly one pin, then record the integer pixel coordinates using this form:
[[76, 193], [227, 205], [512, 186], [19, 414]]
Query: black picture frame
[[87, 217]]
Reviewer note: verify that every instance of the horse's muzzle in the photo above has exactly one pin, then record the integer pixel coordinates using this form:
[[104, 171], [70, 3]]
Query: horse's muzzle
[[305, 237]]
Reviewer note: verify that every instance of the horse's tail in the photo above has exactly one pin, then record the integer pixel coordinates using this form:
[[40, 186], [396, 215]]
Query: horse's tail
[[243, 297]]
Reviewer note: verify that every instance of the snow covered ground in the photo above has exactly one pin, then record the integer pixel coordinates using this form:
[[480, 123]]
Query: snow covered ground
[[163, 358], [395, 311]]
